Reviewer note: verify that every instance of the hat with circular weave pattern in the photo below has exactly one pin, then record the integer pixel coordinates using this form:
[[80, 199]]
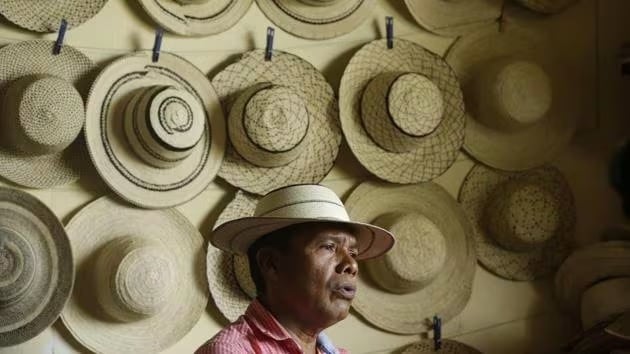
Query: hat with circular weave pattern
[[46, 15]]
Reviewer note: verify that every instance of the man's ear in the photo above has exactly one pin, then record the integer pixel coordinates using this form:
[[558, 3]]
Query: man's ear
[[267, 259]]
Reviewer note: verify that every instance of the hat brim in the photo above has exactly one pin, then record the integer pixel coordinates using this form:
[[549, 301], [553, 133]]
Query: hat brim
[[449, 292], [531, 146], [547, 6], [196, 19], [324, 134], [317, 22], [452, 19], [448, 346], [127, 174], [604, 301], [34, 58], [438, 151], [474, 195], [49, 13], [105, 220]]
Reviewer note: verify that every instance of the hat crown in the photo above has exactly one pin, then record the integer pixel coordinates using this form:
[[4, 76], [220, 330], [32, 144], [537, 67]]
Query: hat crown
[[17, 267], [417, 257], [42, 114], [398, 109], [521, 215], [135, 279], [302, 201]]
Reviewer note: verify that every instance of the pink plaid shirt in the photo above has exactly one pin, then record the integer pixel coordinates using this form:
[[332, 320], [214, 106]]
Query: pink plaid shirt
[[257, 331]]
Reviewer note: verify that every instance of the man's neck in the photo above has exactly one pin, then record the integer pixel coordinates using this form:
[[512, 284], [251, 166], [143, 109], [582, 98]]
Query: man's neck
[[305, 337]]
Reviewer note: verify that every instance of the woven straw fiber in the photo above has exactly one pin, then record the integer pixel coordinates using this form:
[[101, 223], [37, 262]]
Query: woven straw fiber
[[46, 15], [454, 18], [448, 347], [547, 6]]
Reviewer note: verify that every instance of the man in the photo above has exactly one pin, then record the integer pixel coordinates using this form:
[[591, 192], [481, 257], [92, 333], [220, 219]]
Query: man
[[303, 251]]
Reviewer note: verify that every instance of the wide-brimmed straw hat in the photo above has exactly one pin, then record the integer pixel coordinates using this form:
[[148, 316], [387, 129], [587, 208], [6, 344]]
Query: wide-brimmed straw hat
[[42, 113], [317, 19], [155, 131], [36, 267], [547, 6], [196, 17], [454, 18], [46, 15], [140, 284], [283, 122], [448, 346], [524, 222], [229, 279], [402, 111], [298, 204], [431, 268], [520, 106]]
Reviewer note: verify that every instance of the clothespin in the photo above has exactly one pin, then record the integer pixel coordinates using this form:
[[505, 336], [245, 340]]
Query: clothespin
[[269, 48], [389, 26], [157, 46], [437, 333], [60, 36], [501, 18]]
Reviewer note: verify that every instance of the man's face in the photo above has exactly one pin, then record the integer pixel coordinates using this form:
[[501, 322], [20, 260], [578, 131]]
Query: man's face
[[316, 276]]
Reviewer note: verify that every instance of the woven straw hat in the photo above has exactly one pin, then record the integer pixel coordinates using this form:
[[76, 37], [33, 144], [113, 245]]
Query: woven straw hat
[[604, 301], [547, 6], [282, 121], [36, 267], [42, 113], [520, 108], [140, 285], [448, 346], [46, 15], [155, 131], [402, 111], [431, 268], [454, 18], [228, 274], [524, 222], [588, 266], [196, 17], [317, 19]]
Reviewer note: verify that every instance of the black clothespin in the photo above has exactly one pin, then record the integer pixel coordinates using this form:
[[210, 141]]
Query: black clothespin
[[60, 36], [157, 46], [269, 48], [437, 333], [389, 26]]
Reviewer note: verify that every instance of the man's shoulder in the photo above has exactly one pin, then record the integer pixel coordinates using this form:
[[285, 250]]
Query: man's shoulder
[[231, 339]]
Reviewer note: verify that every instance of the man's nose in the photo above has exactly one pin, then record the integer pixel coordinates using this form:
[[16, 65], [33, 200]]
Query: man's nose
[[348, 264]]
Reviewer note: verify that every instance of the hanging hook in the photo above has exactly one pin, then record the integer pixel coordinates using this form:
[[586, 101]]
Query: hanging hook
[[157, 46], [60, 36], [437, 333], [269, 48], [389, 26]]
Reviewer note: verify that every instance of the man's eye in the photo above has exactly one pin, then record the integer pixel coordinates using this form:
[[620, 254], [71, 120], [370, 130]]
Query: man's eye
[[329, 246]]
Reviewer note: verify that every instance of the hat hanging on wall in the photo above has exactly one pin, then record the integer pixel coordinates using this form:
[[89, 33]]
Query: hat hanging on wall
[[402, 111], [196, 17], [521, 107], [36, 267], [524, 222], [228, 274], [155, 130], [454, 18], [282, 122], [42, 113], [448, 346], [140, 284], [317, 19], [604, 301], [547, 6], [431, 267], [46, 15]]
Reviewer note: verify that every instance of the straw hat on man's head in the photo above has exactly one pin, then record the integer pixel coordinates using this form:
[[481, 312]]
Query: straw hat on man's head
[[42, 113], [431, 268], [283, 122], [140, 284], [36, 267], [402, 111], [46, 15]]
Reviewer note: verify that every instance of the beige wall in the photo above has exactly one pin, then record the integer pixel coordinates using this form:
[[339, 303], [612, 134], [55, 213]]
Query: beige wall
[[502, 316]]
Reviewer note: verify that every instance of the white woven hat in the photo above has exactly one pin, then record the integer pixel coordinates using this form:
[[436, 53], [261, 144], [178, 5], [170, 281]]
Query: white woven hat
[[155, 131], [448, 347], [228, 274], [402, 111], [294, 205], [140, 284], [46, 15], [283, 122], [42, 113], [454, 18], [36, 267], [431, 268], [317, 19], [604, 301], [196, 17], [547, 6], [524, 222], [520, 105]]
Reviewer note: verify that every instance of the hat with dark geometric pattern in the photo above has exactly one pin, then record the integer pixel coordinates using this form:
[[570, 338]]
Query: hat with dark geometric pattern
[[448, 347], [46, 15]]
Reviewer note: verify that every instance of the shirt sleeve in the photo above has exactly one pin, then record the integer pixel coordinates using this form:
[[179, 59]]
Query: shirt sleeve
[[221, 348]]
